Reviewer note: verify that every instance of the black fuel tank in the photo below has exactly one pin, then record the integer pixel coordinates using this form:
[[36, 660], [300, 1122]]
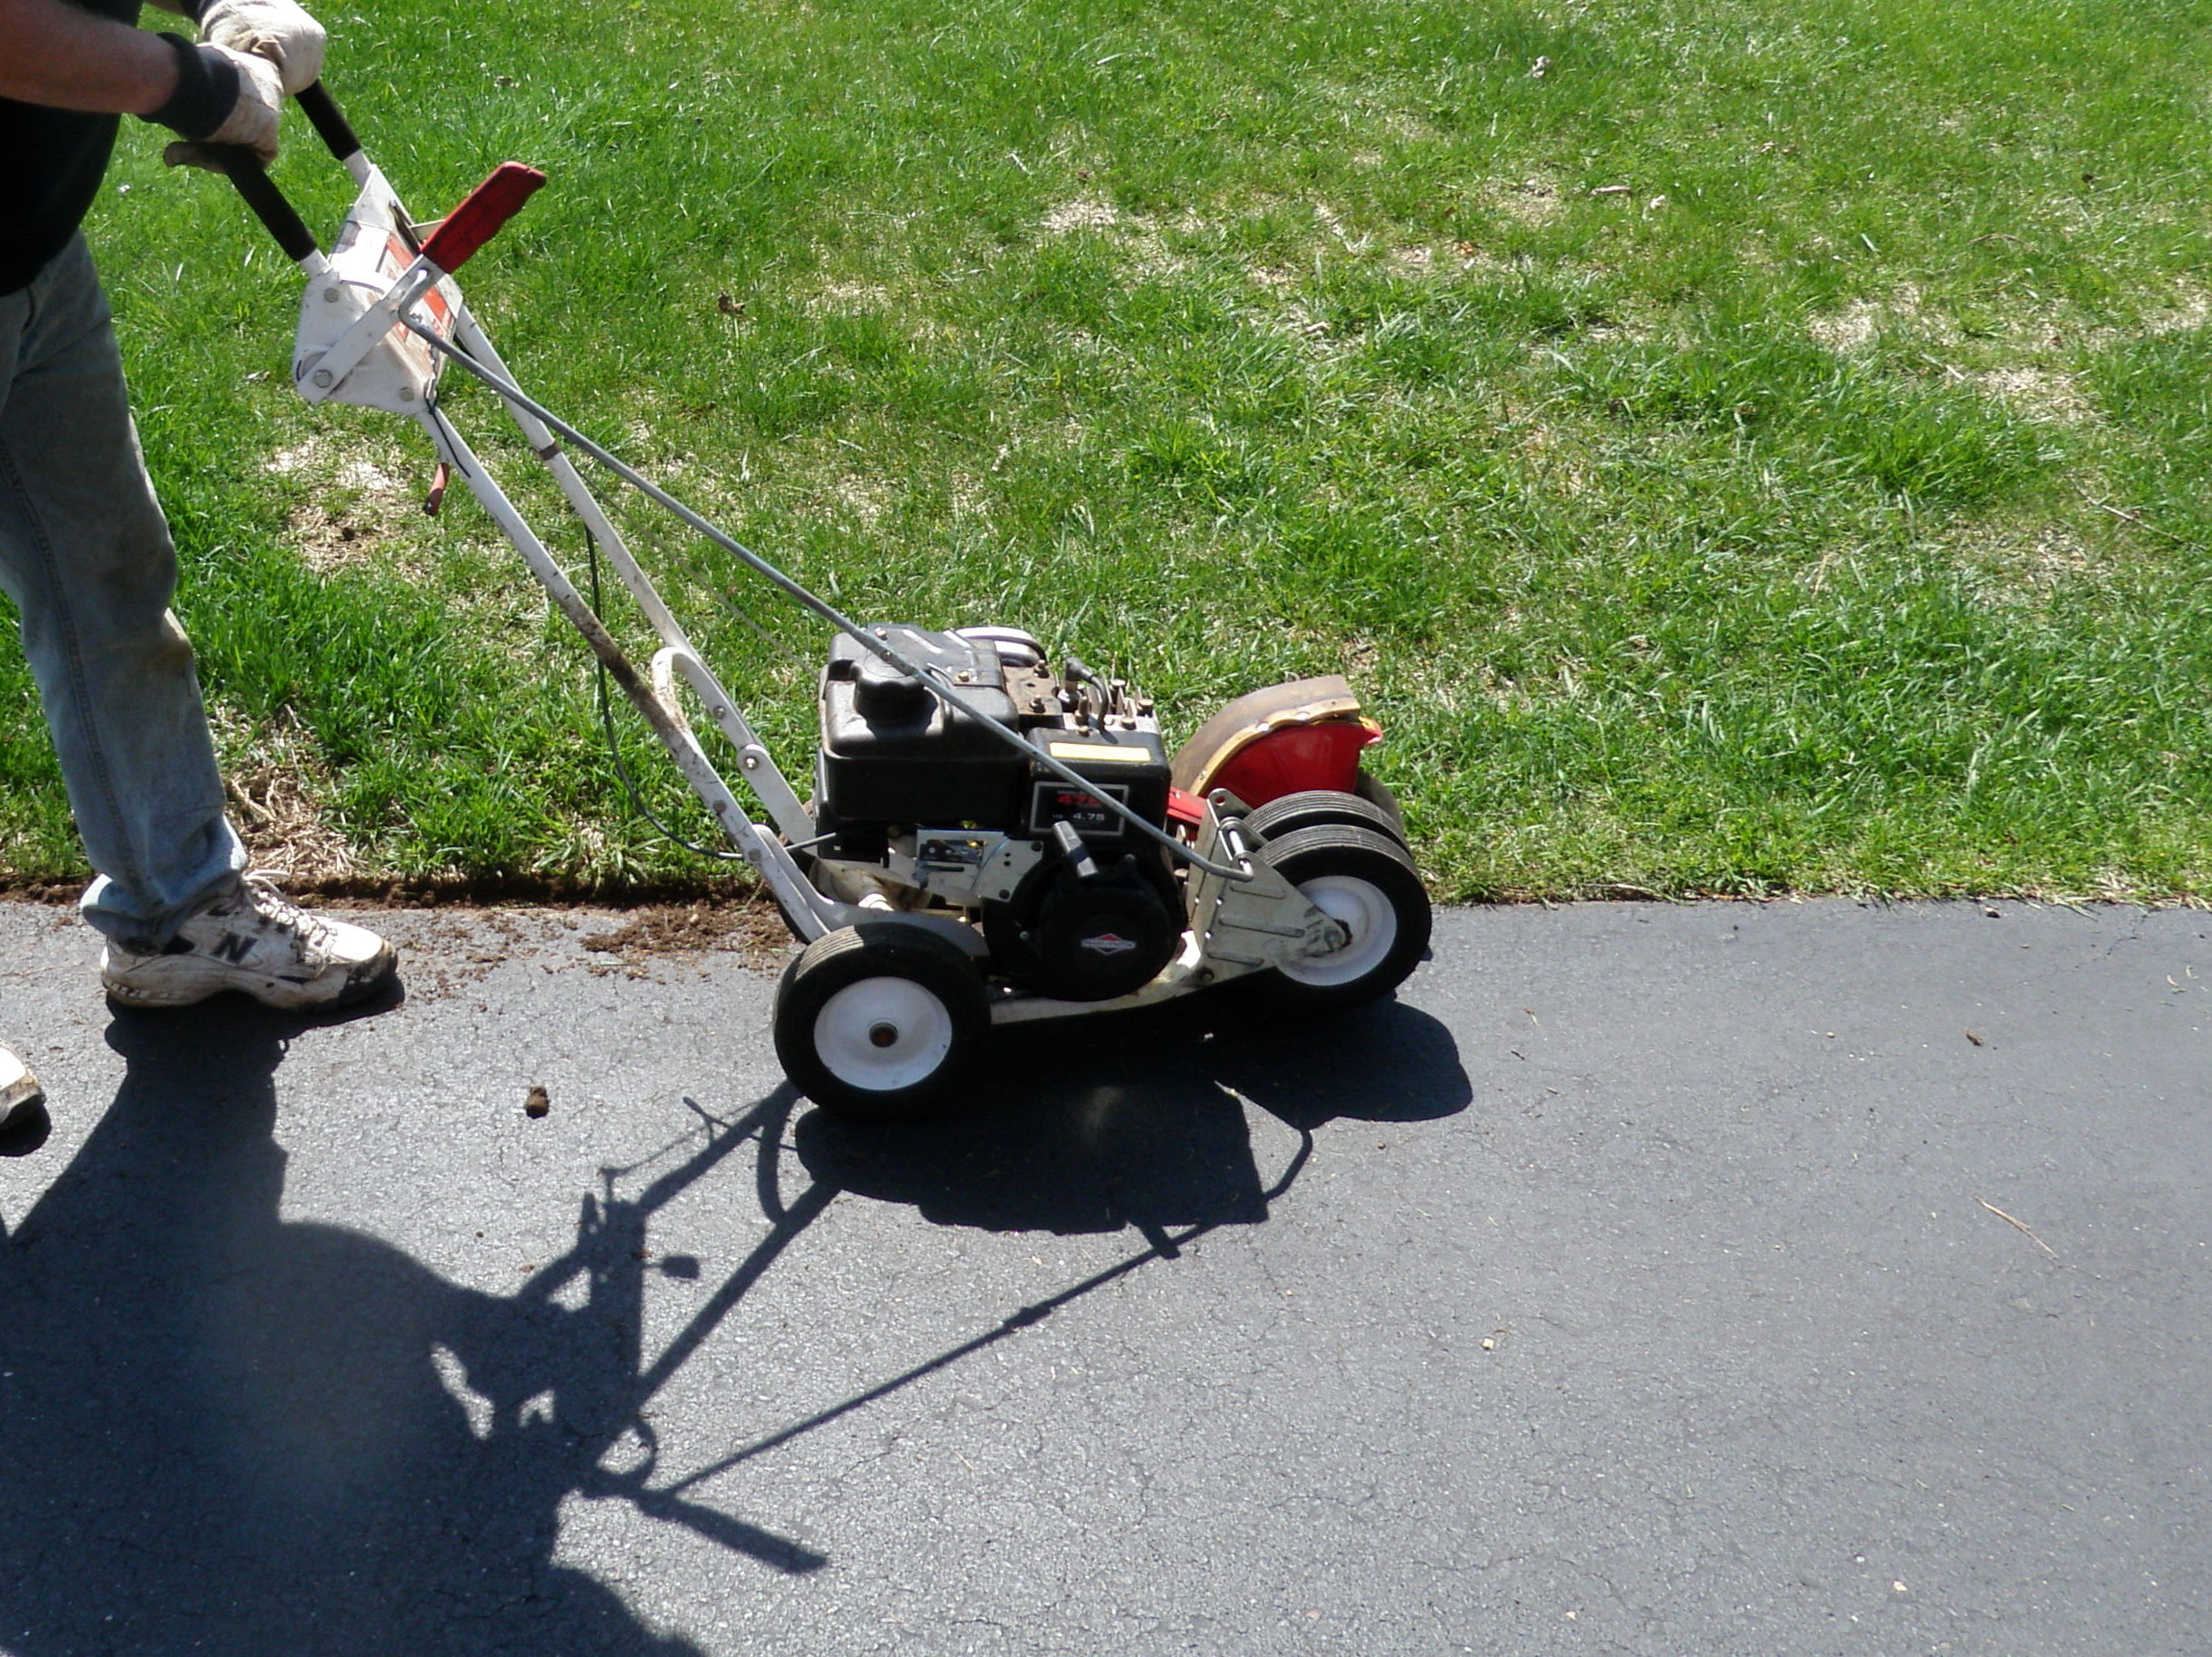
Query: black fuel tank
[[893, 753]]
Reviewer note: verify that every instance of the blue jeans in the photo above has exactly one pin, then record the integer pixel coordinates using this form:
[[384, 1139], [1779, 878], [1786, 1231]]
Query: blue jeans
[[84, 553]]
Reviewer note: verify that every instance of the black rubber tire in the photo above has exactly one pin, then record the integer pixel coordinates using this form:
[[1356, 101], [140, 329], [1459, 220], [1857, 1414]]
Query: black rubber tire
[[1313, 807], [1376, 793], [919, 987], [1365, 878]]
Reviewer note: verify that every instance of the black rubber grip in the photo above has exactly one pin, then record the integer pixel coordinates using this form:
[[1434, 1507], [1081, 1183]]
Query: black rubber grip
[[323, 110], [243, 169]]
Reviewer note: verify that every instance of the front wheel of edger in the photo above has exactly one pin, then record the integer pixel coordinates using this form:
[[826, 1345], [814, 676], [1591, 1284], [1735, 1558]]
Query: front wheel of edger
[[879, 1021]]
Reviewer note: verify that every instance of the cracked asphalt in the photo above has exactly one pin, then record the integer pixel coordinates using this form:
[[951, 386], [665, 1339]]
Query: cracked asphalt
[[1797, 1279]]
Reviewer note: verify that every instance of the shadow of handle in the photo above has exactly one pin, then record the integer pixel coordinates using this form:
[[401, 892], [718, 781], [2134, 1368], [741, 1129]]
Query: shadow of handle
[[765, 1546]]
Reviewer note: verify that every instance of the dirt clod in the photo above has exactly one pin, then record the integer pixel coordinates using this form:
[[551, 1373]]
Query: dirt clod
[[751, 929]]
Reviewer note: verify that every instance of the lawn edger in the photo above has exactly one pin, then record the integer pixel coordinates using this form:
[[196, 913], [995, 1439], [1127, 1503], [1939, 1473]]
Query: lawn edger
[[990, 838]]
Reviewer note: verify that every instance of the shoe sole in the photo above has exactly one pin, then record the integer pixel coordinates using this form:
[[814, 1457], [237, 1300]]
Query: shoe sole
[[19, 1096], [280, 993]]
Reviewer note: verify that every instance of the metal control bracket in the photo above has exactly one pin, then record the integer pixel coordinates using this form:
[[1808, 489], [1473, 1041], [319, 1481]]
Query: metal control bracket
[[1250, 925]]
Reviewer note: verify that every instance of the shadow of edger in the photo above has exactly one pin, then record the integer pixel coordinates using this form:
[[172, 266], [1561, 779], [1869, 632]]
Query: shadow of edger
[[229, 1431], [1141, 1119]]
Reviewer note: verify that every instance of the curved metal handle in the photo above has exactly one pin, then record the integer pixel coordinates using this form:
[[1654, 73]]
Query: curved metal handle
[[243, 168]]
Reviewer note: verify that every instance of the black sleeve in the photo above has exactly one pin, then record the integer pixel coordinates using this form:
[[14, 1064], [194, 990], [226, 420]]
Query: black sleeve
[[206, 90]]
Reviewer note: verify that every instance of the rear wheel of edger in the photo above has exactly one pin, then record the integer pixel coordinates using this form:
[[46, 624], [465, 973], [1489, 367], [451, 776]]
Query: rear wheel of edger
[[1376, 793], [1311, 808], [1365, 880], [878, 1021]]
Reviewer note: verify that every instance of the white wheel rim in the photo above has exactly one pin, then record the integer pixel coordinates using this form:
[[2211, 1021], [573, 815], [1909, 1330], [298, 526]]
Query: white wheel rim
[[1365, 910], [883, 1035]]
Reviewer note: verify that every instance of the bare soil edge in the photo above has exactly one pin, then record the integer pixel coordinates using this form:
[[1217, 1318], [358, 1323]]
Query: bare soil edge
[[503, 892], [462, 891], [657, 920]]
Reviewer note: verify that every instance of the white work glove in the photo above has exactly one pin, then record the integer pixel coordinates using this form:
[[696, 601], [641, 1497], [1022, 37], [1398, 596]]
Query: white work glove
[[276, 30], [252, 120]]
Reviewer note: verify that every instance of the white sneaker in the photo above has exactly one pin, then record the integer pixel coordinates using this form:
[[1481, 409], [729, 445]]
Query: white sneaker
[[256, 942], [19, 1089]]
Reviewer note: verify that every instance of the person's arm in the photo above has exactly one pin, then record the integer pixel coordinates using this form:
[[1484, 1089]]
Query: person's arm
[[52, 53], [226, 91]]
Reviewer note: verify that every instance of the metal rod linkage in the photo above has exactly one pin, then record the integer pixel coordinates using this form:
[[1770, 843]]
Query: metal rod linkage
[[515, 397]]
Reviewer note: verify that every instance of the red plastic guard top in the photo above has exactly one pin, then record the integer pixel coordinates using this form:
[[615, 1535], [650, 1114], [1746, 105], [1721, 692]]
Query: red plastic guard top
[[478, 219], [1320, 756]]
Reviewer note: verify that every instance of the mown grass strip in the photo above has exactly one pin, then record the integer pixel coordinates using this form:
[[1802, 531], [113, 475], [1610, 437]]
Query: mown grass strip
[[1737, 447]]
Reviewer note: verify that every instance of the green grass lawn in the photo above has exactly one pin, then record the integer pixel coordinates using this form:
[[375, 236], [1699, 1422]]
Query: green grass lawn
[[1735, 447]]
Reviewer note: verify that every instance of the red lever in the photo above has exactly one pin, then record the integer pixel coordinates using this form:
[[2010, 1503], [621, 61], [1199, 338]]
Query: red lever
[[478, 219]]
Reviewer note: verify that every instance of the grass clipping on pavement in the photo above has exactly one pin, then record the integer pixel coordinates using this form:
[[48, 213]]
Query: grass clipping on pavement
[[1734, 447]]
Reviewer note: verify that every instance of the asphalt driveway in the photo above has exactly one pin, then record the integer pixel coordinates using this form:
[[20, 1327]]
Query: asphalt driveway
[[1723, 1279]]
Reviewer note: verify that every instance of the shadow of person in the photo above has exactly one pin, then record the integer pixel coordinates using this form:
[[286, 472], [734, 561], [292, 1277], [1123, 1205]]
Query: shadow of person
[[231, 1433], [1137, 1119]]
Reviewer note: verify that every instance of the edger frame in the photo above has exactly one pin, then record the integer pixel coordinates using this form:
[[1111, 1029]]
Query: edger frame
[[1292, 868]]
